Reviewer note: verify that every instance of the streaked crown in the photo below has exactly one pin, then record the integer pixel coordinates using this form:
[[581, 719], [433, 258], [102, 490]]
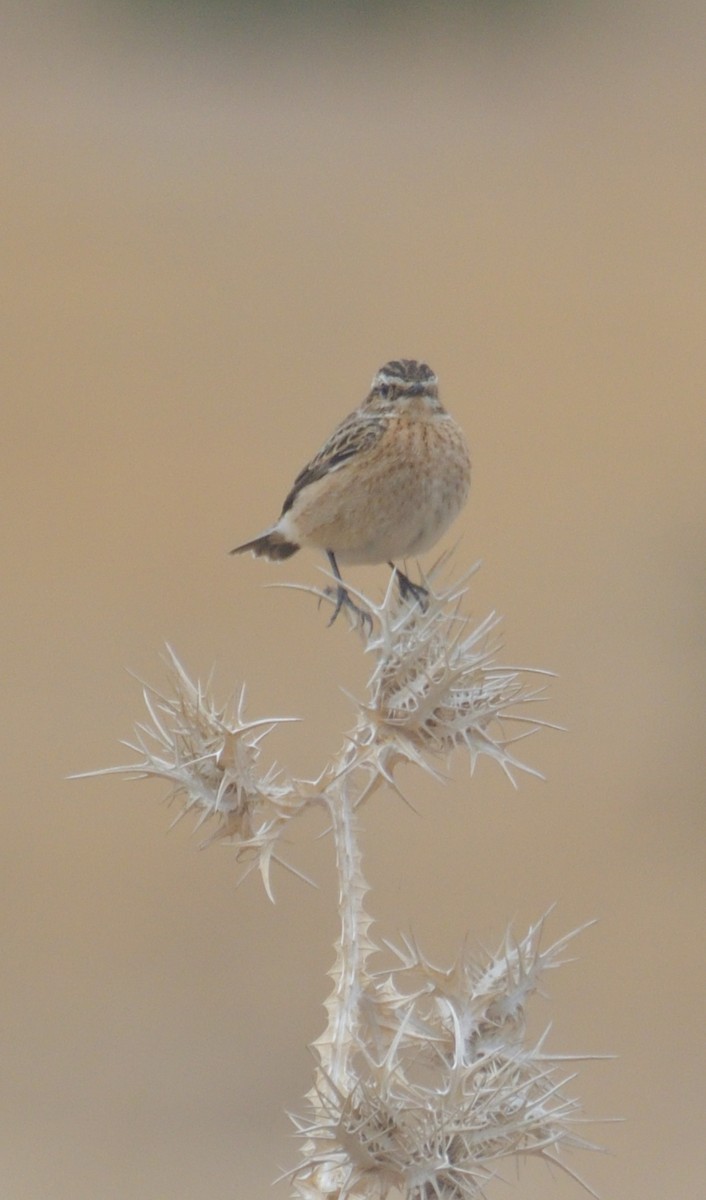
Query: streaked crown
[[404, 377]]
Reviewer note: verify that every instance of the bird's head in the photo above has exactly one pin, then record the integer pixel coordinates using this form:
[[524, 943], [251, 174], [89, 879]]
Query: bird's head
[[403, 380]]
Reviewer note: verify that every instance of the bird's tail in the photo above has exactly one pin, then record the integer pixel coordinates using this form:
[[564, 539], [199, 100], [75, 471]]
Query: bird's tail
[[272, 545]]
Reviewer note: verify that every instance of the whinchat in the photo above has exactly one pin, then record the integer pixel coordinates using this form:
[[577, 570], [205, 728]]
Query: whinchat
[[385, 486]]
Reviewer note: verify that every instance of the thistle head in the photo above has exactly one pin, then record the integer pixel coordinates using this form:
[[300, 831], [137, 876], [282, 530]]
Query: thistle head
[[209, 754], [437, 685], [446, 1086]]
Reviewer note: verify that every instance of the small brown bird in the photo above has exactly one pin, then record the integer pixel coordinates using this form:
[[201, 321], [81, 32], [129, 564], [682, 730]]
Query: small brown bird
[[385, 486]]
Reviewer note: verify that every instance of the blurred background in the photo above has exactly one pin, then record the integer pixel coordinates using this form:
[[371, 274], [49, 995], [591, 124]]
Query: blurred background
[[218, 221]]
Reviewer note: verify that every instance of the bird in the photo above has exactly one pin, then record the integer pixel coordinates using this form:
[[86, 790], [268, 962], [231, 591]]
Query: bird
[[384, 487]]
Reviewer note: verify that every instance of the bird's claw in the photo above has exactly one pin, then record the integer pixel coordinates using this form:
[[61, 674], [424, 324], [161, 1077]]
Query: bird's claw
[[341, 599], [414, 590]]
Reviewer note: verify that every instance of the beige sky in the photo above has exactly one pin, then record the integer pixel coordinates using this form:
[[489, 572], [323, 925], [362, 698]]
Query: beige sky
[[209, 249]]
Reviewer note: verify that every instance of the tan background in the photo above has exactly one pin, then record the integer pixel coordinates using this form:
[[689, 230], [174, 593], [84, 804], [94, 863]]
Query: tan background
[[211, 239]]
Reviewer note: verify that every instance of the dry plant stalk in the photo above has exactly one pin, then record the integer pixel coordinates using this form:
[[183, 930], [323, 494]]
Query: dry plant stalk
[[425, 1083]]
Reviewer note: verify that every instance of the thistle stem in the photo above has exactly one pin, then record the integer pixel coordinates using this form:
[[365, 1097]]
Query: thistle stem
[[349, 972]]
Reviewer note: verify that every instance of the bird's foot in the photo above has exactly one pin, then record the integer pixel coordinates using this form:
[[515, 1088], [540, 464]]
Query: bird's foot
[[340, 598], [414, 590]]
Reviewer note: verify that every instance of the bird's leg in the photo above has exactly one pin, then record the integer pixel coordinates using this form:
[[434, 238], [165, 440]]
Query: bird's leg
[[343, 599], [407, 588]]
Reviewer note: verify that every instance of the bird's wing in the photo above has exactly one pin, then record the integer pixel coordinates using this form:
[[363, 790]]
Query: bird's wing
[[355, 435]]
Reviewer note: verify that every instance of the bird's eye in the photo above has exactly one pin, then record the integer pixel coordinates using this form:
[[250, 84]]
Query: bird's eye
[[384, 389]]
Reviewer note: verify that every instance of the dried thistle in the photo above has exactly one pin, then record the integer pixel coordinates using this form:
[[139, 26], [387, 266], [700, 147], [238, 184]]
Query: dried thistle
[[436, 685], [425, 1082], [210, 755]]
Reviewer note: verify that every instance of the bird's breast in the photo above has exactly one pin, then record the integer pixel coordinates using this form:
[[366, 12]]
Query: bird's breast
[[393, 501]]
